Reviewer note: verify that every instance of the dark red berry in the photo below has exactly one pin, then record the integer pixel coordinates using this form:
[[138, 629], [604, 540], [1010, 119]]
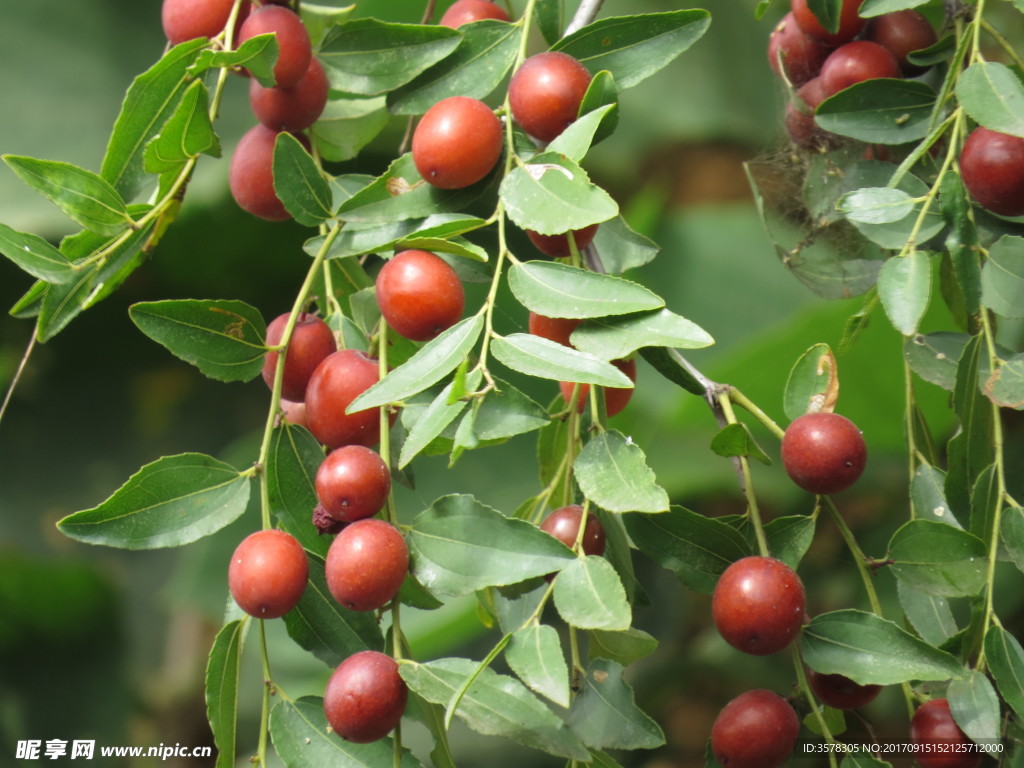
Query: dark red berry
[[757, 729], [902, 32], [465, 11], [366, 564], [353, 482], [188, 19], [992, 165], [564, 525], [758, 605], [311, 342], [841, 692], [294, 47], [941, 742], [557, 246], [855, 63], [336, 382], [419, 294], [823, 452], [268, 574], [792, 50], [294, 108], [850, 22], [545, 93], [615, 398], [456, 143], [365, 697], [557, 329], [251, 176]]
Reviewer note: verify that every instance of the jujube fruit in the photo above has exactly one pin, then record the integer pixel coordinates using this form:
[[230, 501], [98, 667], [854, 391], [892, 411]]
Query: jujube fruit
[[545, 93], [757, 729], [294, 47], [311, 342], [850, 22], [268, 573], [615, 398], [352, 483], [466, 11], [855, 63], [841, 692], [366, 564], [419, 294], [992, 165], [251, 175], [294, 108], [758, 605], [902, 32], [336, 382], [933, 725], [801, 55], [456, 143], [564, 525], [823, 452], [365, 697], [799, 121], [557, 329], [188, 19], [557, 246]]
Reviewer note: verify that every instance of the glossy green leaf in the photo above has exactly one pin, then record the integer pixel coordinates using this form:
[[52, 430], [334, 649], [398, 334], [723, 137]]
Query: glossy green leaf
[[174, 500], [827, 12], [975, 707], [930, 616], [459, 545], [30, 304], [612, 472], [961, 240], [986, 501], [696, 548], [257, 54], [322, 626], [633, 48], [872, 651], [320, 17], [551, 194], [625, 646], [494, 705], [63, 302], [507, 412], [150, 101], [575, 141], [546, 359], [222, 671], [371, 57], [299, 184], [905, 287], [85, 197], [971, 450], [1011, 531], [870, 8], [1005, 387], [811, 382], [475, 68], [35, 256], [293, 459], [880, 111], [895, 234], [601, 92], [302, 739], [560, 290], [611, 338], [347, 125], [535, 654], [434, 360], [187, 133], [934, 356], [876, 205], [621, 248], [223, 339], [789, 538], [928, 494], [993, 96], [1005, 659], [605, 714], [590, 595], [737, 440], [431, 422], [398, 235], [1002, 278], [548, 15], [670, 364], [938, 559], [834, 720]]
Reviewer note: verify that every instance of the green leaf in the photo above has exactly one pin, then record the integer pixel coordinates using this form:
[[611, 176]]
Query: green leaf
[[737, 440], [223, 339], [992, 95], [257, 54], [938, 559], [174, 500], [934, 356], [371, 57], [298, 183], [293, 459], [1011, 530], [872, 651], [870, 8], [1005, 387], [1005, 659], [905, 287], [1002, 277], [475, 68], [575, 141], [551, 194], [320, 17], [961, 241], [827, 12], [895, 234], [85, 197], [546, 359], [560, 290], [876, 205], [696, 548], [975, 707], [187, 133], [605, 714], [431, 422], [150, 101], [834, 719], [397, 235], [633, 48], [928, 494], [600, 93], [506, 412], [880, 111], [322, 626], [535, 654], [812, 382], [669, 364], [625, 646], [612, 472], [222, 671], [621, 248], [494, 705], [971, 451], [590, 595], [347, 125], [986, 501], [548, 15], [930, 616], [302, 739], [616, 337], [434, 360], [63, 302], [35, 256], [789, 538], [459, 545]]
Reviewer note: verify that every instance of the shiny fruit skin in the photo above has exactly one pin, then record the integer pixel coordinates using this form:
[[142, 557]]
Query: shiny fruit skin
[[365, 697], [557, 246], [902, 32], [366, 564], [758, 605], [294, 413], [295, 49], [823, 452], [466, 11], [850, 22], [419, 295], [291, 109], [564, 525], [251, 176], [545, 93], [457, 143], [615, 398], [800, 124], [312, 341], [992, 165], [801, 54], [188, 19], [556, 329], [857, 62], [268, 573], [841, 692], [336, 382], [757, 729], [353, 483], [933, 724]]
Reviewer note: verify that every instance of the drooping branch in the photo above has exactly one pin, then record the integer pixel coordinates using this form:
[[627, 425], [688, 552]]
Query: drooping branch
[[585, 14]]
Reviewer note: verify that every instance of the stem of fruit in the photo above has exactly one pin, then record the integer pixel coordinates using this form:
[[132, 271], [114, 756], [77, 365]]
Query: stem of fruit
[[805, 690], [908, 423], [753, 511], [17, 374], [751, 407], [261, 754]]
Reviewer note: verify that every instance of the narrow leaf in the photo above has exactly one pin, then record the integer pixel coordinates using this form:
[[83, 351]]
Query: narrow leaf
[[299, 184], [546, 359], [612, 472], [992, 95], [938, 559], [35, 256], [611, 338], [1006, 660], [975, 707], [561, 290], [222, 672], [535, 654], [187, 133]]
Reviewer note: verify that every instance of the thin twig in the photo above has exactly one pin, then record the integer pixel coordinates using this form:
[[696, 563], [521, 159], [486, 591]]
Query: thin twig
[[17, 373], [585, 14]]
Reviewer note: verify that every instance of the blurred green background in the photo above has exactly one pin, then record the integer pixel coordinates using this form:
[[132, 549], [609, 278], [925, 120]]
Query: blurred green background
[[110, 645]]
